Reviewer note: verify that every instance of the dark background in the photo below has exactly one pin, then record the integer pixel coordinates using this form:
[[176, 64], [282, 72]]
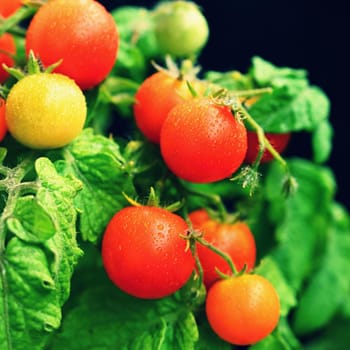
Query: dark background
[[298, 34]]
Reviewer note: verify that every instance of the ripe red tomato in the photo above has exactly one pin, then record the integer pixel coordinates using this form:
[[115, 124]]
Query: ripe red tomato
[[8, 7], [201, 141], [7, 51], [81, 32], [243, 310], [154, 99], [143, 253], [278, 141], [3, 125], [234, 239]]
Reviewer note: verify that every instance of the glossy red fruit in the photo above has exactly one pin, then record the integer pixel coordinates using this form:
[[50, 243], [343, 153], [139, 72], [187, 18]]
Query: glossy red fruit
[[144, 254], [243, 310], [156, 96], [201, 141], [80, 32]]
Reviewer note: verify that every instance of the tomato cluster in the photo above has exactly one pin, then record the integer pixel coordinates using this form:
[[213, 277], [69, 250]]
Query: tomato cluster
[[148, 251], [200, 138], [242, 308], [146, 254]]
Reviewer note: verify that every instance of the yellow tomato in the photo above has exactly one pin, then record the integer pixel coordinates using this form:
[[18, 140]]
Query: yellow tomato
[[45, 110]]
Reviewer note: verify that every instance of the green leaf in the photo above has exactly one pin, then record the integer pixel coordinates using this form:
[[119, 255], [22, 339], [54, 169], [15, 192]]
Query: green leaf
[[96, 161], [322, 139], [328, 286], [130, 63], [335, 336], [294, 105], [29, 307], [135, 24], [231, 80], [291, 109], [105, 319], [208, 340], [119, 92], [264, 72], [36, 270], [57, 193], [301, 219], [30, 221]]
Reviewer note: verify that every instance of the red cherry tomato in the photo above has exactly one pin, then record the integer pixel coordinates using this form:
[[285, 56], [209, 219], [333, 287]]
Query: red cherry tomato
[[155, 98], [202, 141], [143, 253], [80, 32], [243, 310]]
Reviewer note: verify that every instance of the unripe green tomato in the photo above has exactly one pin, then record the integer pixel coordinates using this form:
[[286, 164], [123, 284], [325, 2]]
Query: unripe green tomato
[[45, 110], [180, 27]]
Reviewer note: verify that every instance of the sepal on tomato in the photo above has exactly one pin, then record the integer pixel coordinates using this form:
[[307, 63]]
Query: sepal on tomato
[[153, 200], [33, 66]]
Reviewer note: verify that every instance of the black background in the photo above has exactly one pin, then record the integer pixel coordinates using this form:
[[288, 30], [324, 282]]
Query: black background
[[298, 34]]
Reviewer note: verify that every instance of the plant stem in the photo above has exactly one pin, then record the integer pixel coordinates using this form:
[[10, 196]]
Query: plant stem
[[225, 256], [21, 14]]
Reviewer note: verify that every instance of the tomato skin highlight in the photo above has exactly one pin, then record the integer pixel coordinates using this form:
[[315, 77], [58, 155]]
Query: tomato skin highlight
[[235, 239], [243, 310], [202, 141], [81, 33], [7, 50], [143, 253], [45, 111], [156, 96], [278, 141]]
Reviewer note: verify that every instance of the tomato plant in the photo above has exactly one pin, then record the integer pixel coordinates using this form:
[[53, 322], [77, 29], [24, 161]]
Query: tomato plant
[[100, 169], [7, 52], [45, 110], [8, 7], [278, 141], [234, 239], [201, 141], [144, 254], [81, 33], [180, 27], [243, 310], [154, 99]]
